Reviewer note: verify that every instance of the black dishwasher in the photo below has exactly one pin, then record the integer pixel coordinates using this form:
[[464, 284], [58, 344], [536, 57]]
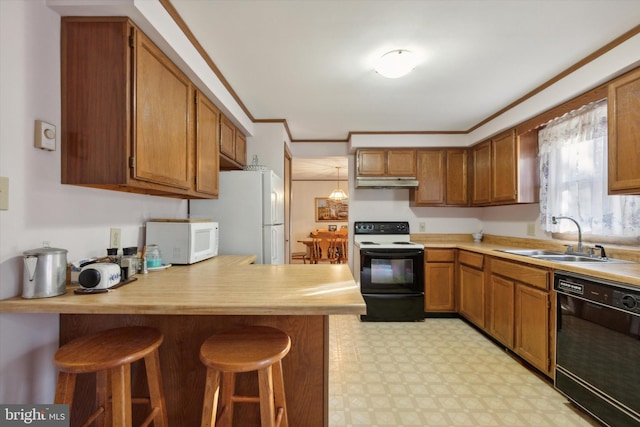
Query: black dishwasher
[[598, 347]]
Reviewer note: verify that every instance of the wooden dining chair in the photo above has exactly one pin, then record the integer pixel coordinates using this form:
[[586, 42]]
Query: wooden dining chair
[[333, 254], [315, 252]]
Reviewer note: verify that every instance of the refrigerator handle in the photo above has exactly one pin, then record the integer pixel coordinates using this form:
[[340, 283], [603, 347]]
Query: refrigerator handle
[[274, 245]]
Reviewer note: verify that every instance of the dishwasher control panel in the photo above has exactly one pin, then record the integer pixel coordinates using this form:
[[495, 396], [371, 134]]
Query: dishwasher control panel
[[605, 292]]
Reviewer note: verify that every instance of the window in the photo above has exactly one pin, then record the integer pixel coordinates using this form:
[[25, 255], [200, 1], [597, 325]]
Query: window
[[573, 177]]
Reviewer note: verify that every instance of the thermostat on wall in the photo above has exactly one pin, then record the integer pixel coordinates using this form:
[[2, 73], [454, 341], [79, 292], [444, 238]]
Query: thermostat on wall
[[45, 136]]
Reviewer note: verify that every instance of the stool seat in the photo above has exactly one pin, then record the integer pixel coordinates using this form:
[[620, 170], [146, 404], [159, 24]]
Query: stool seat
[[252, 348], [107, 349], [109, 354]]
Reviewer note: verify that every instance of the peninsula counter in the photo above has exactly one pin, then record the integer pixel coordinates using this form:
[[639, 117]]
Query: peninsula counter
[[189, 303]]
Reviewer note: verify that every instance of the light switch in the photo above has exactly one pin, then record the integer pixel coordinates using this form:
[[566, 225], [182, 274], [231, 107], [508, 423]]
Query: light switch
[[4, 193], [45, 136]]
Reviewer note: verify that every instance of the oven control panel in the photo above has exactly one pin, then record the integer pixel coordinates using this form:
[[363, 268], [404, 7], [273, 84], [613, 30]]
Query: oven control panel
[[381, 227]]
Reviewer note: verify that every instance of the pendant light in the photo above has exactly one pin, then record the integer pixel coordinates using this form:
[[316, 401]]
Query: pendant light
[[337, 194]]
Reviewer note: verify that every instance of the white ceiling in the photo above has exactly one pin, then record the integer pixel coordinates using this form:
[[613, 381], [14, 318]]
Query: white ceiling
[[310, 62]]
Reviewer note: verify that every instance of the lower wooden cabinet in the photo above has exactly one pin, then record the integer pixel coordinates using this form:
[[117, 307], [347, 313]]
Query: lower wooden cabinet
[[532, 340], [471, 290], [501, 318], [520, 311], [439, 278]]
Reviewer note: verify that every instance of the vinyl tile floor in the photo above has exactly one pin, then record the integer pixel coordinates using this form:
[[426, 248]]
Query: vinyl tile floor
[[440, 372]]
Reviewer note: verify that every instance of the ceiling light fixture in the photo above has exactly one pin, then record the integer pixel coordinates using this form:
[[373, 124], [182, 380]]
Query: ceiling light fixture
[[338, 195], [396, 63]]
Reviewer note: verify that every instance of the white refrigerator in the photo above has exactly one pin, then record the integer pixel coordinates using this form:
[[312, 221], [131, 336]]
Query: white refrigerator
[[250, 214]]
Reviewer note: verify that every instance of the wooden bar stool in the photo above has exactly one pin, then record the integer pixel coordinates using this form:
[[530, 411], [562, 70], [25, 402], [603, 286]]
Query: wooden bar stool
[[110, 354], [251, 348]]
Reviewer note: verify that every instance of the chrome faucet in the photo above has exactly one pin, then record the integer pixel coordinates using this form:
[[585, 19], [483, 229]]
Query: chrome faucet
[[554, 220]]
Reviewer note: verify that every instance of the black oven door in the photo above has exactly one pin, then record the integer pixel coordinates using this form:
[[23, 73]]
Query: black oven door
[[598, 359], [392, 271]]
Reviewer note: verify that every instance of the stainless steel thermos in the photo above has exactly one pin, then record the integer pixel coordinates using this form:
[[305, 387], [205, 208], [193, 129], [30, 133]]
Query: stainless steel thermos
[[45, 272]]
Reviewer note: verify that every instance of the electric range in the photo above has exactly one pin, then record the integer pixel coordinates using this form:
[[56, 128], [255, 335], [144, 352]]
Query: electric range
[[389, 269]]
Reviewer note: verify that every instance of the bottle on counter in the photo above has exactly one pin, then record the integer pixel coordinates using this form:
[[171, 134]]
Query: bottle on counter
[[153, 257], [129, 260]]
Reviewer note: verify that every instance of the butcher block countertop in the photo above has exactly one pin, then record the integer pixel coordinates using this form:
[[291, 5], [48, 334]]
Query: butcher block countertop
[[627, 273], [224, 285]]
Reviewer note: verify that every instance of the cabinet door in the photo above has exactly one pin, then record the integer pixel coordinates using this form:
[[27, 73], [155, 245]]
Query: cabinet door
[[430, 174], [163, 118], [401, 163], [481, 191], [501, 324], [624, 134], [372, 162], [472, 299], [532, 326], [207, 147], [439, 289], [504, 164], [241, 148], [457, 192], [227, 138]]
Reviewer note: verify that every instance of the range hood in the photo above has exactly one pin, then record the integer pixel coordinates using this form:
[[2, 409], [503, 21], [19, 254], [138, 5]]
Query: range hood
[[386, 182]]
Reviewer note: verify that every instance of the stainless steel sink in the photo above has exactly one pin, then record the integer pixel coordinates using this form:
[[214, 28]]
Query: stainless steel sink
[[530, 252], [559, 256], [569, 258]]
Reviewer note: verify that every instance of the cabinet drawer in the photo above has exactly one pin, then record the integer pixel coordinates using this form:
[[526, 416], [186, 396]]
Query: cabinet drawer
[[471, 259], [439, 255], [529, 275]]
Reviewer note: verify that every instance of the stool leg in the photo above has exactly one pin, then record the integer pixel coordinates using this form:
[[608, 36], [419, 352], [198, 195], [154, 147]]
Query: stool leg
[[121, 395], [102, 398], [278, 392], [64, 389], [156, 394], [267, 410], [210, 404], [226, 399]]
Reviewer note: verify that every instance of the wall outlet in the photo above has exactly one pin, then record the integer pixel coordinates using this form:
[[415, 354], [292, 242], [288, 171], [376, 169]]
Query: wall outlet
[[531, 229], [423, 227], [114, 239]]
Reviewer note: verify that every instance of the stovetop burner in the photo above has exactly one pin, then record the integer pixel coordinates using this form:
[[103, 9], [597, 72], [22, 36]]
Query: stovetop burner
[[369, 243], [403, 243]]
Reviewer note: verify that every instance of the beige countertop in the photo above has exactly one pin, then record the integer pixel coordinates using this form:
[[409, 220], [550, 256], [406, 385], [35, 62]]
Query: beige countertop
[[627, 273], [224, 285]]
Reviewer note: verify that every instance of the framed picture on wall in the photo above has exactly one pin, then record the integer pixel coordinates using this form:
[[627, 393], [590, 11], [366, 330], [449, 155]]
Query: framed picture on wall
[[331, 210], [332, 227]]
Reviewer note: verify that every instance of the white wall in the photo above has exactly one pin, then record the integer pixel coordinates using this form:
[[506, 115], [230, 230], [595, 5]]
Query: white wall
[[40, 208]]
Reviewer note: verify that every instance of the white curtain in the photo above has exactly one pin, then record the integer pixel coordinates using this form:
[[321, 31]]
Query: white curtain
[[573, 176]]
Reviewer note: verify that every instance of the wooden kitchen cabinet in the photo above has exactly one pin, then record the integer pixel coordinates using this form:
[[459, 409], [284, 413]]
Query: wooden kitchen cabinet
[[502, 313], [504, 170], [623, 117], [439, 289], [373, 162], [481, 170], [471, 287], [521, 311], [233, 145], [127, 112], [207, 146], [442, 177]]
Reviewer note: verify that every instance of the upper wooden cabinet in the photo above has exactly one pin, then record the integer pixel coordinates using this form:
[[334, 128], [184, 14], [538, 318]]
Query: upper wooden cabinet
[[505, 170], [624, 134], [127, 112], [233, 145], [207, 146], [382, 162], [442, 177]]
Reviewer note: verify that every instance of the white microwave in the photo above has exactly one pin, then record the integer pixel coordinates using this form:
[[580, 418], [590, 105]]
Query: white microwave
[[183, 241]]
